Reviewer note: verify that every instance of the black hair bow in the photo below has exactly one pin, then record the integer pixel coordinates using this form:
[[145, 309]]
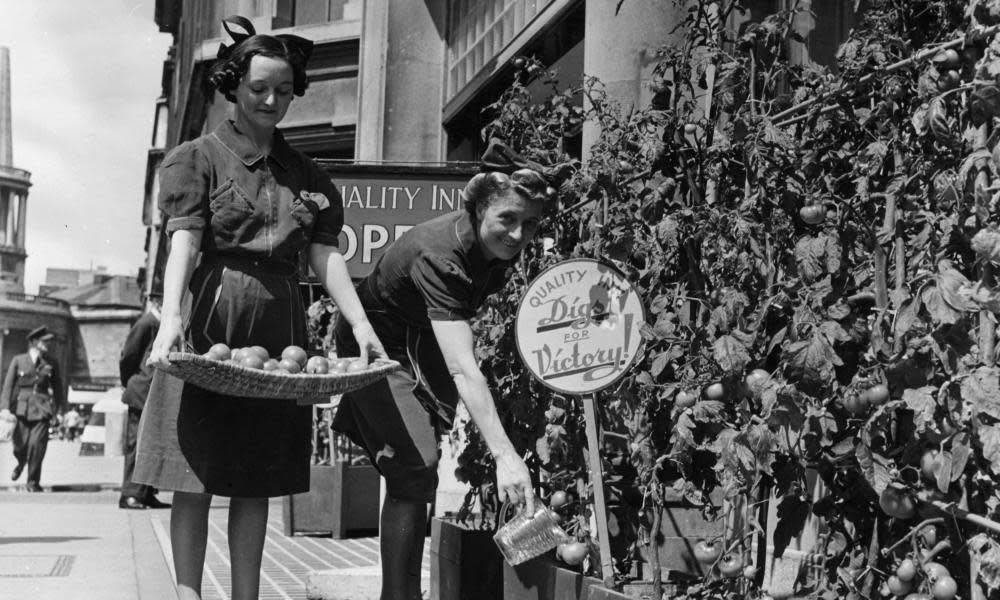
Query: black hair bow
[[298, 44], [500, 157]]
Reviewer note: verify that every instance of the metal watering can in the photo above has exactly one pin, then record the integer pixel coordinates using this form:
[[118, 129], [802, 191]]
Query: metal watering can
[[529, 535]]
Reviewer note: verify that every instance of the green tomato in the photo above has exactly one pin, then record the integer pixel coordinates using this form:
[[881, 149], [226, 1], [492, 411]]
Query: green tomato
[[897, 503]]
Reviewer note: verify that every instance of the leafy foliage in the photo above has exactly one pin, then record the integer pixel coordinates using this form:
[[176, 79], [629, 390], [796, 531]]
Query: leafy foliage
[[707, 199]]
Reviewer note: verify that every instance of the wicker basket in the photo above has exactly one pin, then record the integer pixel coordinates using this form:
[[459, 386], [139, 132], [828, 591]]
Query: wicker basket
[[235, 380]]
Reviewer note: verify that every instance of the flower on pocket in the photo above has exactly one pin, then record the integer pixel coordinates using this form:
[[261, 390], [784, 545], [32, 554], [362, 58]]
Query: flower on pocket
[[322, 202]]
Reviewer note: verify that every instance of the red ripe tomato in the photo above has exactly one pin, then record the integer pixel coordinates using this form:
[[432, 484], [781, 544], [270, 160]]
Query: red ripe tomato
[[749, 571], [292, 366], [219, 352], [557, 499], [715, 391], [916, 596], [271, 364], [318, 365], [339, 365], [356, 366], [251, 361], [935, 571], [897, 503], [812, 214], [877, 394], [907, 570], [707, 552], [238, 355], [945, 588], [899, 587], [731, 566], [685, 399], [295, 353], [572, 553]]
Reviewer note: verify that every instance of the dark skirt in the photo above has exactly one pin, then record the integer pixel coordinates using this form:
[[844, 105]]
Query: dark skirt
[[399, 420], [193, 440]]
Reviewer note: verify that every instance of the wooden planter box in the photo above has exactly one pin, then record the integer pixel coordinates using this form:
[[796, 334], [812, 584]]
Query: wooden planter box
[[543, 579], [342, 498], [681, 527], [465, 563]]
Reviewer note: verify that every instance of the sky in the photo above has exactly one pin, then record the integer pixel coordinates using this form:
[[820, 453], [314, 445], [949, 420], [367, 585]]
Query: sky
[[85, 76]]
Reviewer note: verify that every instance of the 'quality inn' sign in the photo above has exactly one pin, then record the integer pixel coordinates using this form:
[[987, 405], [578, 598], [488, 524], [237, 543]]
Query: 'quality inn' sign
[[578, 326]]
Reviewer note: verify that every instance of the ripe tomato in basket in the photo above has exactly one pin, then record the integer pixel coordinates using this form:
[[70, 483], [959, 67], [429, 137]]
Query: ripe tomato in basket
[[339, 365], [318, 365], [356, 366], [260, 351], [290, 365], [218, 352], [295, 353], [252, 361], [271, 364]]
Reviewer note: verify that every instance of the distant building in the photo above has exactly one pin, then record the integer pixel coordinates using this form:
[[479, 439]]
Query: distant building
[[103, 307]]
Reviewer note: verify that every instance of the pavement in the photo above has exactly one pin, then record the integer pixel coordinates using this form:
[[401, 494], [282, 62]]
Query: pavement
[[72, 542]]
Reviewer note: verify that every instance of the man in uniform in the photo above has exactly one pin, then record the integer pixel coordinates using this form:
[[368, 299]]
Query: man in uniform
[[32, 391]]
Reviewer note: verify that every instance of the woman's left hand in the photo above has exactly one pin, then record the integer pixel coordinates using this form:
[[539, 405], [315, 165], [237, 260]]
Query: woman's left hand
[[368, 342]]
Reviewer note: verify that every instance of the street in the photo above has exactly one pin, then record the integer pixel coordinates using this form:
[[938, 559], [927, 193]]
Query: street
[[72, 542]]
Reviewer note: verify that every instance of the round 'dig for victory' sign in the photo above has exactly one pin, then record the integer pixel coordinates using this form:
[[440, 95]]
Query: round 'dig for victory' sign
[[578, 326]]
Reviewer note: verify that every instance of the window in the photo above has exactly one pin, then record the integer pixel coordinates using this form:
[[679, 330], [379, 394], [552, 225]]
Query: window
[[290, 13], [479, 30]]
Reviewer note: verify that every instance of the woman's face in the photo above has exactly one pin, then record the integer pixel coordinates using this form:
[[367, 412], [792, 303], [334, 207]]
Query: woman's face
[[265, 92], [508, 224]]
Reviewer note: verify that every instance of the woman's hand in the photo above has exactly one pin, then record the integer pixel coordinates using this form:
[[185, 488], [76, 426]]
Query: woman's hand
[[368, 342], [514, 481], [170, 336]]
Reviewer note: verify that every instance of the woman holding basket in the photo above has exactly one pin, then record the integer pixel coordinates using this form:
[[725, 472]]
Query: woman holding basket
[[248, 204], [420, 298]]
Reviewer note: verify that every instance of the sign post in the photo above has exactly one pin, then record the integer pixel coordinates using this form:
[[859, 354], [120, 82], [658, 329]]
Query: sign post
[[577, 332]]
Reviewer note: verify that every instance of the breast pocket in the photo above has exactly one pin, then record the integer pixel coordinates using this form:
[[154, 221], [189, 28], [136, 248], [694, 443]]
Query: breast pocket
[[304, 209], [233, 214]]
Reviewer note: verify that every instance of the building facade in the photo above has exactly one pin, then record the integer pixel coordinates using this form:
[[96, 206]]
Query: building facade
[[405, 82]]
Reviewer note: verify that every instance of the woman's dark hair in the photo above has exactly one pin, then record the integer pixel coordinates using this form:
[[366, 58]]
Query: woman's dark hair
[[228, 71], [483, 188]]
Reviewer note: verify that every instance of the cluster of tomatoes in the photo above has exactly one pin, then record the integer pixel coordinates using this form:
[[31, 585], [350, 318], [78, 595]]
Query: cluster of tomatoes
[[755, 381], [294, 359], [710, 553], [949, 65], [860, 403], [572, 553], [937, 581]]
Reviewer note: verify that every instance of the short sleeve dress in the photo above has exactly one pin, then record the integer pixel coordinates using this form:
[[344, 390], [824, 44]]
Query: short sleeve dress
[[436, 271], [256, 214]]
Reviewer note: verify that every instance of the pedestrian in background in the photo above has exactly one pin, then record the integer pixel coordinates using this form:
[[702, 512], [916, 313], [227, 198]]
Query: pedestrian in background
[[247, 204], [136, 376], [33, 392], [71, 424]]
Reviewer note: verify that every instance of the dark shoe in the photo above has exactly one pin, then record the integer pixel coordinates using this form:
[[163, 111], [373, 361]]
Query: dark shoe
[[33, 486], [154, 502], [128, 502], [16, 473]]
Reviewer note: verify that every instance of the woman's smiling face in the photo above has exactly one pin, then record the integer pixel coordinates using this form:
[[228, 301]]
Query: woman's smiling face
[[265, 92], [508, 224]]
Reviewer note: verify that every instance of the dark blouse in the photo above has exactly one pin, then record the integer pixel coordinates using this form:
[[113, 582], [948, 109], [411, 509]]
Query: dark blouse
[[249, 206], [434, 272]]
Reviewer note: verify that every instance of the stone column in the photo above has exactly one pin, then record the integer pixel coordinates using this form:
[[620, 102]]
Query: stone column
[[414, 81], [6, 136], [371, 80], [620, 50]]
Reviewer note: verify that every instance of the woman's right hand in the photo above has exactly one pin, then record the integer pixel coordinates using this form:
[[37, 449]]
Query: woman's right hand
[[169, 337]]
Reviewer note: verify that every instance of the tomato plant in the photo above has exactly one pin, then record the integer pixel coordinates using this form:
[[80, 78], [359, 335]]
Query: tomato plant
[[873, 313]]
